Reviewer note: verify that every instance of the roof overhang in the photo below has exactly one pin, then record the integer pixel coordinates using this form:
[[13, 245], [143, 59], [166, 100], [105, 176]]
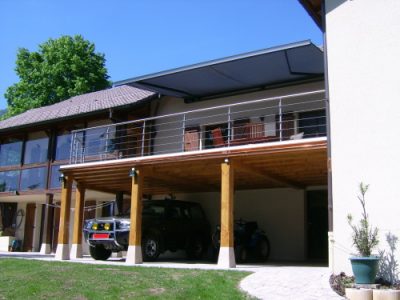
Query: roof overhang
[[314, 9], [254, 70]]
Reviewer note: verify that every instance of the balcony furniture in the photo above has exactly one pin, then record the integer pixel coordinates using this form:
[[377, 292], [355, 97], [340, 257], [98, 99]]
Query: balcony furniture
[[192, 140], [256, 140], [217, 137]]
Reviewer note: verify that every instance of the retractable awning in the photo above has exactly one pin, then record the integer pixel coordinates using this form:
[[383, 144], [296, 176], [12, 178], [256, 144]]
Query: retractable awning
[[253, 70]]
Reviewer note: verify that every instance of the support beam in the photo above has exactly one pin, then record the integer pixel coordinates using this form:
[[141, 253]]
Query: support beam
[[226, 257], [76, 249], [134, 254], [45, 248], [62, 252]]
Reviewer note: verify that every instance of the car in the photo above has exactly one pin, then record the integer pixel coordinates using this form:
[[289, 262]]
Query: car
[[166, 225]]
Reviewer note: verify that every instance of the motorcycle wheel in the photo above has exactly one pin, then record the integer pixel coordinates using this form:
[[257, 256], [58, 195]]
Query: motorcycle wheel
[[263, 248]]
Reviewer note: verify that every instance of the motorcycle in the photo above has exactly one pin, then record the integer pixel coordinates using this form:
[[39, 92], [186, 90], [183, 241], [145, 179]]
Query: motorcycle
[[250, 242]]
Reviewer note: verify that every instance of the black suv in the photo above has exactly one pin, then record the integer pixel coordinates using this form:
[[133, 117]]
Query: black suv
[[166, 225]]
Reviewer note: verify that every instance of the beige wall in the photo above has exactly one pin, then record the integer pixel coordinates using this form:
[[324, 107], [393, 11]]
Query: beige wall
[[363, 47], [279, 212]]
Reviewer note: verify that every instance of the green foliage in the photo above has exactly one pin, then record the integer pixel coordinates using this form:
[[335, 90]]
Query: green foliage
[[60, 69], [365, 237]]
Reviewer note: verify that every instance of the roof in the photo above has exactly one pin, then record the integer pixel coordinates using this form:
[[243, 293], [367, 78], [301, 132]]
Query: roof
[[79, 105], [314, 9], [249, 71]]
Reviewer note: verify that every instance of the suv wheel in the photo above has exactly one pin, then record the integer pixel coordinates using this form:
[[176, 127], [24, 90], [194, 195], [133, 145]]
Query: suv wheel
[[195, 248], [151, 248], [98, 252]]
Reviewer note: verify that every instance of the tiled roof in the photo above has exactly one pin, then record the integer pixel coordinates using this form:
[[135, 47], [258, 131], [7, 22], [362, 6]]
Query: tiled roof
[[82, 104]]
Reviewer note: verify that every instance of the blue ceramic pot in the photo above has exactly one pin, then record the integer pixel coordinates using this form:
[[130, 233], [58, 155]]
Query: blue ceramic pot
[[365, 269]]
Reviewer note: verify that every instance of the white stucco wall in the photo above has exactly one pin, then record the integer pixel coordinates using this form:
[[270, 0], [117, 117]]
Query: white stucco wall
[[363, 48], [169, 130], [279, 212]]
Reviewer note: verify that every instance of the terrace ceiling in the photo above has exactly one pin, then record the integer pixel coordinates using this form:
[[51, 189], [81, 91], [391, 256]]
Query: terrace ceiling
[[270, 166]]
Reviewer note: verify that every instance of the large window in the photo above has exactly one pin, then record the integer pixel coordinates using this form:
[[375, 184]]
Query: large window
[[99, 140], [36, 151], [312, 123], [55, 177], [10, 153], [33, 179], [63, 147], [9, 181]]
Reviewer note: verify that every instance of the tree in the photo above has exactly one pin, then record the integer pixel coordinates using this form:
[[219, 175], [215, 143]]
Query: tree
[[60, 69]]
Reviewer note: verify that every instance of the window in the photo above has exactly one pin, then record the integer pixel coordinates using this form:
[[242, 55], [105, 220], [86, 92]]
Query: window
[[312, 123], [241, 129], [196, 213], [99, 140], [63, 147], [9, 181], [153, 210], [33, 179], [55, 177], [10, 153], [36, 150]]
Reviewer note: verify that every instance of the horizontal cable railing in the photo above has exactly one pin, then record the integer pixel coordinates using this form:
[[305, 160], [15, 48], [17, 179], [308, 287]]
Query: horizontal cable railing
[[275, 119]]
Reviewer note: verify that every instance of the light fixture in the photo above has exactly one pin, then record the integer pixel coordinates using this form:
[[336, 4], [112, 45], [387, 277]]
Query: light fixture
[[132, 172], [226, 160]]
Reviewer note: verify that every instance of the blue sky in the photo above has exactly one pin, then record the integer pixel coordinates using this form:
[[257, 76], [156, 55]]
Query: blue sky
[[139, 37]]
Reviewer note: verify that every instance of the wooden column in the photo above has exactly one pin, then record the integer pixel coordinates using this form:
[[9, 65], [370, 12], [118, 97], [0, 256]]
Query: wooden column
[[76, 249], [45, 248], [226, 256], [134, 254], [62, 252]]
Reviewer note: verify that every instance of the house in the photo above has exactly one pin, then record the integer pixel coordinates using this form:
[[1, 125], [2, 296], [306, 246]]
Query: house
[[245, 136], [36, 143], [361, 48]]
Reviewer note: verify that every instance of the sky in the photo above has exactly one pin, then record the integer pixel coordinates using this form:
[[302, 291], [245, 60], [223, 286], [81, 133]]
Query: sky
[[140, 37]]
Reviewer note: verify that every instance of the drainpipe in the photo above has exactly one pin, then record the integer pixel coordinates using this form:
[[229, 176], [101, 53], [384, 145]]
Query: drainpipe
[[329, 146]]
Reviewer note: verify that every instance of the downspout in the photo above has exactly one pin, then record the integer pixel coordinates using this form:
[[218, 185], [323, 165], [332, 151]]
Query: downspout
[[331, 238], [328, 123]]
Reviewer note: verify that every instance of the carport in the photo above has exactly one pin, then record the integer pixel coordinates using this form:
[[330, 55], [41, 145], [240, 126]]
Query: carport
[[295, 164]]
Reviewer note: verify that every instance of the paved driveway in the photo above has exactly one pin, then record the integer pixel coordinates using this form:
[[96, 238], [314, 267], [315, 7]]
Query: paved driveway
[[270, 281]]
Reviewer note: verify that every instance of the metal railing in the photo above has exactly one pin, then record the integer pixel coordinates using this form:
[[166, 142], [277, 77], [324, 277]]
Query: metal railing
[[274, 119]]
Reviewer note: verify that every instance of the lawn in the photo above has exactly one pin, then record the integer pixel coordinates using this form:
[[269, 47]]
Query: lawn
[[32, 279]]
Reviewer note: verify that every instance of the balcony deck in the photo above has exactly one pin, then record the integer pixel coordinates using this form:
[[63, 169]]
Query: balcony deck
[[275, 142]]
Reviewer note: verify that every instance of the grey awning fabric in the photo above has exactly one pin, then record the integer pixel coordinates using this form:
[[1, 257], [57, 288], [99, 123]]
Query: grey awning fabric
[[254, 70]]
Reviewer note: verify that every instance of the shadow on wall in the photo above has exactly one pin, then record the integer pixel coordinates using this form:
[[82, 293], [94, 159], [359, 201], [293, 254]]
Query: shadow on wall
[[388, 265]]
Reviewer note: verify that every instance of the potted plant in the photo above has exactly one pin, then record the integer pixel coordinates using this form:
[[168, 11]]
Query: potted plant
[[365, 238]]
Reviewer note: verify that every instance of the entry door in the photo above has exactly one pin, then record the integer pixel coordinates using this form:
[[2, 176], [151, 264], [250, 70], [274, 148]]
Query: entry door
[[29, 226], [317, 221]]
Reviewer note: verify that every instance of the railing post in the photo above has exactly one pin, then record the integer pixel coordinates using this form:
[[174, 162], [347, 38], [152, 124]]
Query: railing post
[[183, 132], [229, 126], [280, 120], [143, 136]]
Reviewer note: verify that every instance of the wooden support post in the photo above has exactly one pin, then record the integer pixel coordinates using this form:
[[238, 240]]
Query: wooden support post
[[226, 256], [76, 249], [45, 248], [134, 254], [62, 252]]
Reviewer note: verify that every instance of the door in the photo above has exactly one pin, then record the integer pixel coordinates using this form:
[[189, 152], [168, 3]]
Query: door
[[29, 226], [317, 221]]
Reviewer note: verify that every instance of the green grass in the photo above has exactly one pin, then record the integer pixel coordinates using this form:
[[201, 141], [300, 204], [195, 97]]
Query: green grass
[[32, 279]]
